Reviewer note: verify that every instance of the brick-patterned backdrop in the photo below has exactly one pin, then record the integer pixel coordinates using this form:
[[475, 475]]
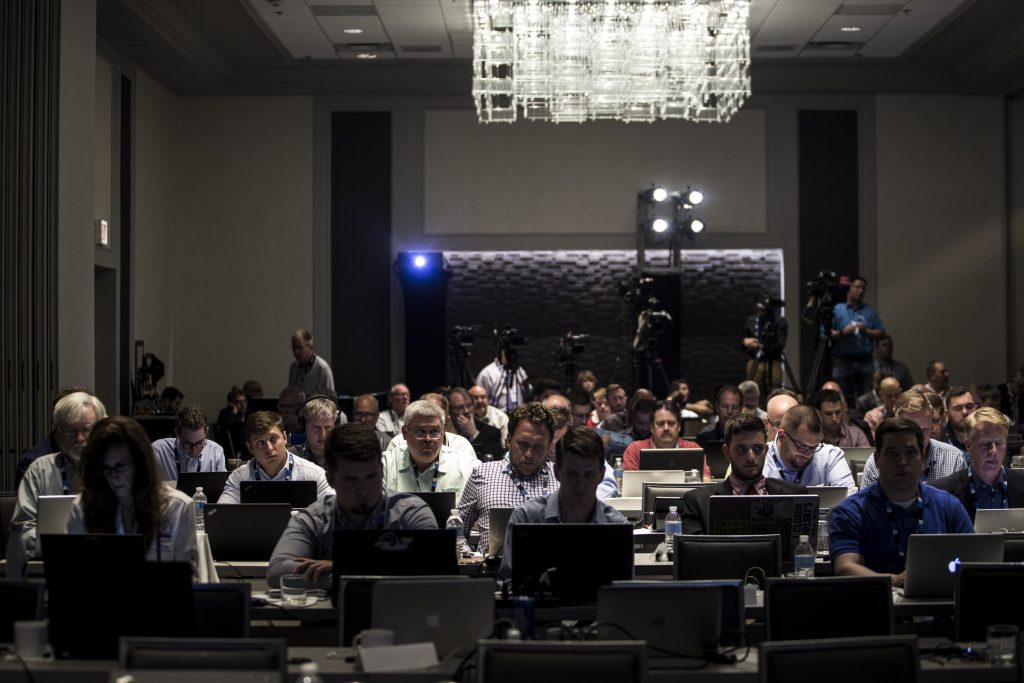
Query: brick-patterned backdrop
[[545, 294]]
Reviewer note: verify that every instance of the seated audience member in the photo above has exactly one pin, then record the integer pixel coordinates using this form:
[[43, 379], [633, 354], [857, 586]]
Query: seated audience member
[[356, 471], [959, 404], [940, 459], [751, 398], [190, 449], [390, 421], [559, 407], [317, 417], [681, 396], [308, 371], [123, 492], [48, 444], [252, 389], [289, 403], [601, 408], [834, 430], [989, 396], [581, 406], [266, 438], [888, 392], [986, 484], [939, 418], [1012, 397], [938, 378], [523, 473], [586, 381], [868, 531], [544, 387], [727, 404], [848, 419], [485, 439], [664, 434], [231, 421], [426, 463], [56, 474], [633, 423], [579, 468], [745, 447], [778, 404], [618, 401], [798, 455], [871, 400], [365, 411], [889, 367], [487, 413], [455, 442], [171, 398]]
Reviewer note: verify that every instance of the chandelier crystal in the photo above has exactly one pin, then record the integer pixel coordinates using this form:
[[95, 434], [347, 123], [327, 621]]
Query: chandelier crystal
[[630, 60]]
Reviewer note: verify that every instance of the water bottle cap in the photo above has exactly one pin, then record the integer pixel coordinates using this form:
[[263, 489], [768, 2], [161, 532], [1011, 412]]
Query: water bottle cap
[[309, 668], [455, 512], [672, 508], [199, 489], [804, 538]]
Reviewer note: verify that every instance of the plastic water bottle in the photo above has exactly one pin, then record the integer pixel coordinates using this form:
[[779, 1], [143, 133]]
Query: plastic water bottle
[[199, 501], [455, 522], [803, 557], [617, 468], [673, 526], [309, 672]]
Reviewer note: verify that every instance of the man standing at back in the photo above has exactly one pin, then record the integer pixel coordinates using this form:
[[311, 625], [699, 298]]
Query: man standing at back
[[309, 371], [855, 327]]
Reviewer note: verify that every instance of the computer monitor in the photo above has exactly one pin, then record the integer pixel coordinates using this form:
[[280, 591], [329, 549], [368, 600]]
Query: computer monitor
[[212, 483], [394, 552], [672, 459], [568, 563], [245, 531], [985, 594], [441, 504], [220, 654], [873, 658], [821, 607], [298, 494], [726, 557], [789, 516], [516, 661]]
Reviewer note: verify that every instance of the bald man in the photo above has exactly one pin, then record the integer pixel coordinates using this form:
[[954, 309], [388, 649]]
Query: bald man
[[888, 391], [776, 408]]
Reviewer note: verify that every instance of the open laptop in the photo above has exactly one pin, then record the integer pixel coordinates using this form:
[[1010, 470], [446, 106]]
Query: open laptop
[[452, 613], [441, 504], [394, 552], [857, 454], [52, 514], [829, 496], [245, 531], [672, 459], [633, 480], [212, 483], [298, 494], [789, 516], [1010, 519], [932, 560], [496, 528]]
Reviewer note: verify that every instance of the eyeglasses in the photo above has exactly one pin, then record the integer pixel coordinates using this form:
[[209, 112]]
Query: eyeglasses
[[804, 448], [119, 468], [190, 446], [423, 434], [71, 434]]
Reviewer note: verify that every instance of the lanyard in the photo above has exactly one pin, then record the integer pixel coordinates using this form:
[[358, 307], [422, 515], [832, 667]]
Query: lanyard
[[287, 476], [433, 482], [900, 550], [62, 464], [519, 483], [974, 491], [782, 470]]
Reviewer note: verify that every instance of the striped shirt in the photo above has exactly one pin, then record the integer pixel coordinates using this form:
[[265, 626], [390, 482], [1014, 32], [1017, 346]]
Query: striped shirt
[[940, 461]]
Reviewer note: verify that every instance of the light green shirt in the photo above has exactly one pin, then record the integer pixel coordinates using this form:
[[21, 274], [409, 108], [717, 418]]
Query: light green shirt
[[453, 470]]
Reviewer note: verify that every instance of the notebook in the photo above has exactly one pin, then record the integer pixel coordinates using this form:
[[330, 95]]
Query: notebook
[[245, 531], [932, 560]]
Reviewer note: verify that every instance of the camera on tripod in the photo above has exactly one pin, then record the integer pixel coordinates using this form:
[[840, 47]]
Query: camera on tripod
[[463, 336], [637, 290], [822, 292], [572, 344]]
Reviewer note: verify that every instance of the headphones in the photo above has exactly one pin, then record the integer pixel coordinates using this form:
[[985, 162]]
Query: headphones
[[314, 397]]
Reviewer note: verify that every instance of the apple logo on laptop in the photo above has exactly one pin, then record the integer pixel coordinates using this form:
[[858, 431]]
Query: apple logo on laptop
[[953, 565]]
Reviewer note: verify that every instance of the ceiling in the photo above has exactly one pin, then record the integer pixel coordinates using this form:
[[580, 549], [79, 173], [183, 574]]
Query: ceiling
[[425, 46]]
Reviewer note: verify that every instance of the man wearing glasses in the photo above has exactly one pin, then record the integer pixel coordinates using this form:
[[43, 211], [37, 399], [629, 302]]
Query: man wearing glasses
[[745, 447], [426, 463], [56, 474], [798, 455], [189, 450]]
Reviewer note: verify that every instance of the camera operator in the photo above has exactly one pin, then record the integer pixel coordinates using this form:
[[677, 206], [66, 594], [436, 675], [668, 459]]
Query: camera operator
[[855, 328], [764, 338], [504, 380]]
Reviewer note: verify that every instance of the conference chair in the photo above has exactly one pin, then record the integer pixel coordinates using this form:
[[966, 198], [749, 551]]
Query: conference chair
[[841, 660], [828, 607], [221, 609], [538, 661], [727, 557], [20, 602], [205, 654]]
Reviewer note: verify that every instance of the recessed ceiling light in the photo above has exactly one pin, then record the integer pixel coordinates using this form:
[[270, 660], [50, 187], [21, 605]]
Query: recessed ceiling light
[[353, 30], [850, 29], [366, 55]]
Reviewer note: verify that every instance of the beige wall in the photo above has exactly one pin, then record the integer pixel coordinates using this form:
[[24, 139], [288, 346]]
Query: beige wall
[[1015, 252], [942, 276], [243, 243]]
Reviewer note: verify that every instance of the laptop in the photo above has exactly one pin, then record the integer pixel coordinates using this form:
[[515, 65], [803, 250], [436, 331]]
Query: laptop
[[394, 552], [1010, 519], [212, 483], [52, 513], [568, 563], [452, 613], [689, 618], [245, 531], [857, 454], [685, 459], [789, 516], [441, 504], [932, 560], [298, 494], [497, 526], [631, 507], [718, 461], [829, 496], [633, 480]]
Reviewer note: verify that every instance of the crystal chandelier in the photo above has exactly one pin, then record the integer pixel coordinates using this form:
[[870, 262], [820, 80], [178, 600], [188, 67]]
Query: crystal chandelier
[[631, 60]]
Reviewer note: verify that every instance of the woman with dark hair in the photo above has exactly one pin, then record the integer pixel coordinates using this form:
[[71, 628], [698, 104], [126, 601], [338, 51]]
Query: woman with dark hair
[[123, 492]]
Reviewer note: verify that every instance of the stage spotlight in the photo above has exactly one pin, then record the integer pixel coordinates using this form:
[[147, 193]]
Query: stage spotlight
[[696, 226], [419, 260], [420, 265], [659, 225], [694, 197], [659, 194]]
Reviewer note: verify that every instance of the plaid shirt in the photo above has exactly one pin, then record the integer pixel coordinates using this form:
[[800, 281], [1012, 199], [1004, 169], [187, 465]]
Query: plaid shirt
[[940, 461], [739, 488], [491, 486]]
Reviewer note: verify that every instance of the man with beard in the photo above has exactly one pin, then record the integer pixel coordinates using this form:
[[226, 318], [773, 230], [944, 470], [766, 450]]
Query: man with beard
[[798, 455]]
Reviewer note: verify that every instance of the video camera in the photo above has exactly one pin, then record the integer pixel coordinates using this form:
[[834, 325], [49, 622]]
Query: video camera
[[573, 343], [463, 336]]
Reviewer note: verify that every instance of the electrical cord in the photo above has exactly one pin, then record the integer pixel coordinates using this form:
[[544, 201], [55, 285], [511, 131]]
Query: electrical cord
[[24, 665]]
